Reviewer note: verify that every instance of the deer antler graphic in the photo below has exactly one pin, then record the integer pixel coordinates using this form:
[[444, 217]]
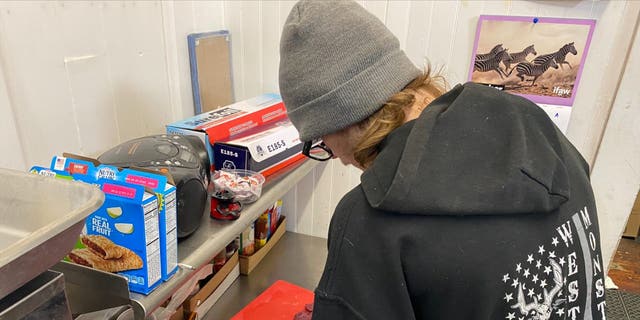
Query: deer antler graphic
[[537, 310]]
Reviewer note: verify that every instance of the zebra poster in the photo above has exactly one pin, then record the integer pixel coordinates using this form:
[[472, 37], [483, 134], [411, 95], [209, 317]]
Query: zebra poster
[[539, 58]]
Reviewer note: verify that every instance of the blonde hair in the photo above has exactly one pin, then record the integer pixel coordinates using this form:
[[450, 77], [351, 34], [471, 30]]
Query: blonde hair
[[392, 114]]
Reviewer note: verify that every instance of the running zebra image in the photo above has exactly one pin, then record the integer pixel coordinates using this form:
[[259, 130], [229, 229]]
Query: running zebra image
[[533, 70], [492, 64], [519, 57], [491, 54], [527, 56], [559, 56]]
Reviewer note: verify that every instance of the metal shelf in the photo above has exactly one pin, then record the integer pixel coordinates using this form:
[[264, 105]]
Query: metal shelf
[[195, 252]]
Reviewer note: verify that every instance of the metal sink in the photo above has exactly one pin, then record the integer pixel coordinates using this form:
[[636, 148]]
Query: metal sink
[[40, 220]]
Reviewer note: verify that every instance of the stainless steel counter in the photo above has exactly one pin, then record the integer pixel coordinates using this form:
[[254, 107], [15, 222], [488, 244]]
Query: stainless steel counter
[[296, 258]]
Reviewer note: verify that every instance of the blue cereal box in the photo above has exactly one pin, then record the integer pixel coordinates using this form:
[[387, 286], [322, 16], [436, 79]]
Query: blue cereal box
[[41, 171], [166, 194], [123, 235], [129, 220]]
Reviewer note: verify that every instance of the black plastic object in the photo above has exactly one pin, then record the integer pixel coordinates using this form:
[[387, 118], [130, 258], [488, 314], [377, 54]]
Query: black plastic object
[[226, 208], [184, 157]]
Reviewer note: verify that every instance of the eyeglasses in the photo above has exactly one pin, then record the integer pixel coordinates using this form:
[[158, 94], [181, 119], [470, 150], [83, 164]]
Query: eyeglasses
[[319, 151]]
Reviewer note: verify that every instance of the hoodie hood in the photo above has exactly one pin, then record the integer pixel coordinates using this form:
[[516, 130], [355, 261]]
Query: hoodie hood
[[473, 151]]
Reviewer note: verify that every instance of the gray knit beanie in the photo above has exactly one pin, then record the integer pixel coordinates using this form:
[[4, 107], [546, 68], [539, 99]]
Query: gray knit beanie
[[338, 65]]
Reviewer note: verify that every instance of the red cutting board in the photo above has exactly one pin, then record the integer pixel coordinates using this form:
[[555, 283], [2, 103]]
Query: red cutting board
[[282, 300]]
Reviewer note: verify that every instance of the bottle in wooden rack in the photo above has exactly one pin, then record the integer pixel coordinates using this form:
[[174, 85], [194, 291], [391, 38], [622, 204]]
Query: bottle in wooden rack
[[262, 230]]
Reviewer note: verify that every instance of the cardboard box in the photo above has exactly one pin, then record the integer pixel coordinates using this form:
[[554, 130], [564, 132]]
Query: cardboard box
[[230, 120], [633, 224], [265, 149], [156, 182], [178, 315], [248, 263], [208, 303], [129, 218], [193, 302], [166, 194]]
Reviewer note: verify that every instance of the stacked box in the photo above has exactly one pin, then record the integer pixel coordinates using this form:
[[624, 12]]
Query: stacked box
[[123, 235], [166, 194], [265, 149], [230, 120]]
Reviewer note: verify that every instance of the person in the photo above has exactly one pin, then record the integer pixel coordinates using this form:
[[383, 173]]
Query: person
[[472, 204]]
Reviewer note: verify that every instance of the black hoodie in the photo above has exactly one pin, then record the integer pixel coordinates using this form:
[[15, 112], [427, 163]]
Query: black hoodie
[[478, 209]]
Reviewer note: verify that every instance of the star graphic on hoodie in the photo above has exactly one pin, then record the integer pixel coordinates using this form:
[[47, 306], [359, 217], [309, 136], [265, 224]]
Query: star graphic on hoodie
[[535, 278], [541, 249], [560, 312], [505, 278], [518, 267], [552, 254], [539, 296], [547, 270], [543, 283], [538, 264], [508, 297], [561, 262], [511, 316], [555, 242], [530, 258], [531, 293], [526, 273], [515, 283]]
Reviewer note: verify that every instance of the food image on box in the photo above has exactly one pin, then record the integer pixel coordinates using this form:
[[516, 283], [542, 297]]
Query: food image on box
[[102, 254], [123, 236]]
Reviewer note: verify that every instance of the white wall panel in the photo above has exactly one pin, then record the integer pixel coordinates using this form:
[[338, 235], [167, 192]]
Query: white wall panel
[[396, 21], [603, 67], [252, 58], [33, 54], [377, 8], [270, 37], [418, 31], [524, 8], [442, 25], [496, 7], [11, 144], [134, 36], [305, 204], [464, 35], [323, 209], [616, 173]]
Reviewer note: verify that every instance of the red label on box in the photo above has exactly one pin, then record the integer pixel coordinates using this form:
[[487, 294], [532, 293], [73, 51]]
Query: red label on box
[[246, 121], [77, 168]]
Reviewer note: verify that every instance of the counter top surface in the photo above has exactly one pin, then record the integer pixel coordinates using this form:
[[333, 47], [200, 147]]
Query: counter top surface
[[296, 258]]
